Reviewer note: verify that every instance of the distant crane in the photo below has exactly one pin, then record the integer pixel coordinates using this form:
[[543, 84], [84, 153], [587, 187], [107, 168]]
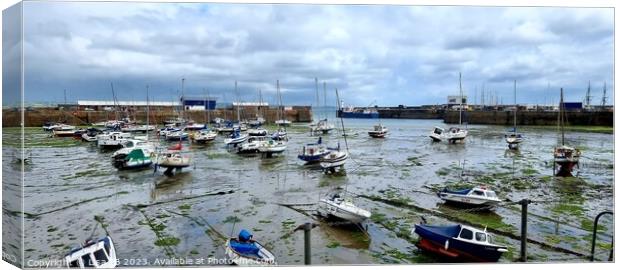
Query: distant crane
[[604, 99], [588, 97]]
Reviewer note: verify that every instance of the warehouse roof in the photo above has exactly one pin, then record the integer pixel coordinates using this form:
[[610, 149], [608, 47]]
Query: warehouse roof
[[125, 103]]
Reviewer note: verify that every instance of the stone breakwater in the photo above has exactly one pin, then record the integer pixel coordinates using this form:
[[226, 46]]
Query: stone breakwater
[[37, 117]]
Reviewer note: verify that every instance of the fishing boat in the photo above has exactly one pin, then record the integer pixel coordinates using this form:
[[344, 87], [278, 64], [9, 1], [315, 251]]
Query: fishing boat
[[251, 145], [437, 134], [112, 140], [351, 112], [257, 131], [379, 131], [313, 152], [91, 134], [513, 139], [457, 134], [99, 253], [337, 205], [476, 196], [336, 157], [459, 243], [135, 159], [271, 146], [236, 138], [245, 251], [205, 136], [563, 155]]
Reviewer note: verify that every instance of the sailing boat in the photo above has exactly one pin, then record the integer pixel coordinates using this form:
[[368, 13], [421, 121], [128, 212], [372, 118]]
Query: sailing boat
[[206, 135], [514, 139], [323, 125], [563, 155], [337, 157], [339, 205], [282, 121], [281, 134], [456, 134]]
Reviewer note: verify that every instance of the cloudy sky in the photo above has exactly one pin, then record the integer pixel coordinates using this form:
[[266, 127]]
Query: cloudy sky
[[392, 54]]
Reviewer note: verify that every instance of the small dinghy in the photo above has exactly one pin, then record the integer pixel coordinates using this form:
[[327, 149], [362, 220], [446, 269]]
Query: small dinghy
[[459, 243], [93, 254], [205, 136], [337, 205], [437, 134], [245, 251], [236, 138], [477, 196], [313, 152], [135, 159], [379, 131]]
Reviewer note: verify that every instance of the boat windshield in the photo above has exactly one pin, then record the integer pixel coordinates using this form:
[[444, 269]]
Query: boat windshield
[[466, 234], [478, 193], [491, 194], [481, 237]]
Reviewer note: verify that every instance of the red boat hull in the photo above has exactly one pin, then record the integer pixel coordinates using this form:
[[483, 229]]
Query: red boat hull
[[450, 253]]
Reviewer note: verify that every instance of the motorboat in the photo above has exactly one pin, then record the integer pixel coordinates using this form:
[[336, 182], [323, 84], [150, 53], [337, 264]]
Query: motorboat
[[132, 144], [476, 196], [336, 158], [166, 130], [313, 152], [258, 131], [378, 131], [271, 146], [245, 251], [135, 159], [236, 138], [138, 128], [338, 205], [205, 136], [99, 253], [280, 135], [195, 126], [513, 140], [437, 134], [64, 133], [112, 140], [455, 134], [251, 145], [177, 135], [91, 134], [283, 122], [459, 243]]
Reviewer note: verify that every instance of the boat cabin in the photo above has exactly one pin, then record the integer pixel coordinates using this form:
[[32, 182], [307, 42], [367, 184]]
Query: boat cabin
[[95, 253], [471, 234], [438, 130]]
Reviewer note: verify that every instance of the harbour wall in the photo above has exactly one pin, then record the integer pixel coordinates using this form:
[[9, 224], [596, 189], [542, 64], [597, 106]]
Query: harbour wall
[[36, 117], [536, 118], [410, 113]]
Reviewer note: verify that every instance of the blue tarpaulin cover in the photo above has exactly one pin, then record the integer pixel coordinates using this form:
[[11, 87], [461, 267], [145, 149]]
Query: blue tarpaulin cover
[[461, 191]]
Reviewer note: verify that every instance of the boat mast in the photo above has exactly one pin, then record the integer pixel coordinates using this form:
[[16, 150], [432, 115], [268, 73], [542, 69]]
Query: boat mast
[[316, 86], [344, 135], [514, 127], [147, 112], [562, 113], [460, 100], [238, 112], [182, 97], [325, 101]]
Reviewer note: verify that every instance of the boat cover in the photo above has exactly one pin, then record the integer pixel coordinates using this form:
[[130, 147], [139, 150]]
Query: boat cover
[[445, 231], [248, 248], [244, 235], [136, 154], [461, 191]]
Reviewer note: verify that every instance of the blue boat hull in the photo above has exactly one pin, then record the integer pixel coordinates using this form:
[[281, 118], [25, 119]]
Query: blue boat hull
[[309, 159], [457, 250]]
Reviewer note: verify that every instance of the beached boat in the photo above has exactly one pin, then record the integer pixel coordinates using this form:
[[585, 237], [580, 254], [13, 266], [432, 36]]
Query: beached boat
[[195, 126], [236, 138], [205, 136], [563, 155], [338, 205], [476, 196], [91, 134], [283, 122], [457, 134], [64, 133], [112, 140], [336, 158], [437, 134], [313, 152], [251, 145], [245, 251], [459, 243], [378, 131], [135, 159], [131, 144], [258, 131], [513, 139], [177, 135], [98, 253], [271, 146], [280, 135], [172, 159], [138, 128], [166, 130]]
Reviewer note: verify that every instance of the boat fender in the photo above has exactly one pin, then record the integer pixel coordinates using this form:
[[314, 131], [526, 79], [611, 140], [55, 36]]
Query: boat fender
[[446, 245]]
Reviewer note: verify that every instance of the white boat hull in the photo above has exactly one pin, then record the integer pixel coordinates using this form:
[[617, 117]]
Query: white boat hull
[[349, 213], [267, 258], [334, 159], [471, 200]]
